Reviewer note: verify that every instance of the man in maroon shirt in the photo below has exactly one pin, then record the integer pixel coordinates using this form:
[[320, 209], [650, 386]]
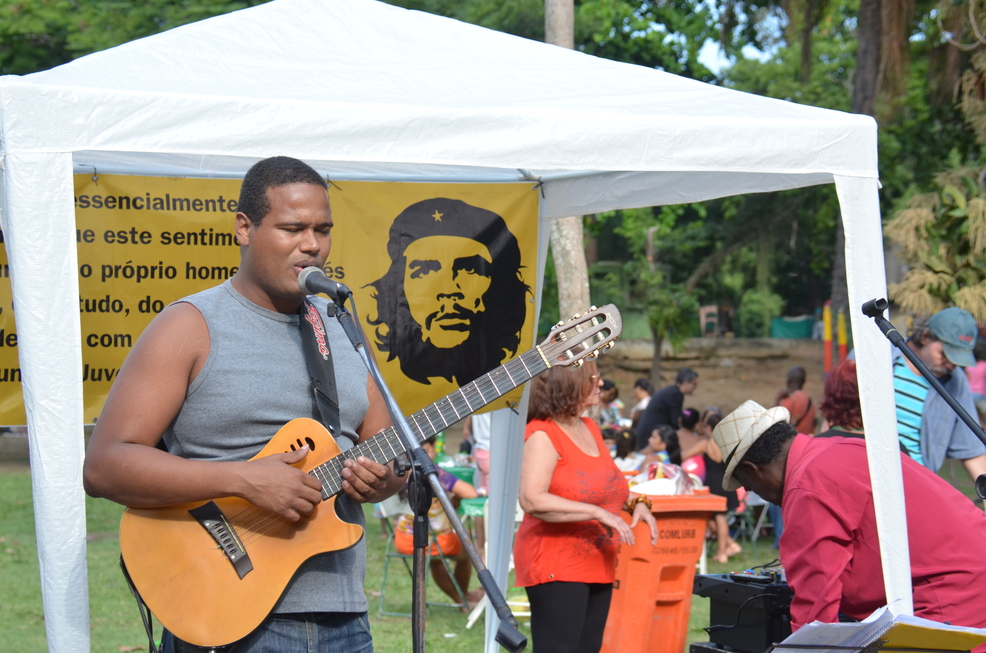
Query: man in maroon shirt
[[829, 547]]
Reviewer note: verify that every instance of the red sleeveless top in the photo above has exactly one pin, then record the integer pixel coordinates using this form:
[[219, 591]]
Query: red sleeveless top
[[584, 551]]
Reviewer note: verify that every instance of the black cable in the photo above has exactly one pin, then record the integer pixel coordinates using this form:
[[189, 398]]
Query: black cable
[[145, 612], [739, 610], [776, 562]]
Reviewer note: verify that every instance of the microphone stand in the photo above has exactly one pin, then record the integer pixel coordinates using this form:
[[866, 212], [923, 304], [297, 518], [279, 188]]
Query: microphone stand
[[874, 309], [507, 635]]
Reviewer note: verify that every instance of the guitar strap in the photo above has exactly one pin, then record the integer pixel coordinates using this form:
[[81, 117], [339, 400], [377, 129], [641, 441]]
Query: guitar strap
[[315, 344]]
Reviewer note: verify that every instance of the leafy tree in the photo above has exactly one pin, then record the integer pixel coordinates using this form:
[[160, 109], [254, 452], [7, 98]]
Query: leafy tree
[[943, 237], [670, 309], [40, 34], [942, 232], [518, 17], [665, 35], [756, 311], [34, 35]]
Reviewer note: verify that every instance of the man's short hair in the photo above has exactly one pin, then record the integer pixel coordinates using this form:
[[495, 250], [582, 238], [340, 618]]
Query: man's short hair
[[685, 375], [796, 375], [921, 334], [768, 446], [644, 384], [495, 334], [271, 173]]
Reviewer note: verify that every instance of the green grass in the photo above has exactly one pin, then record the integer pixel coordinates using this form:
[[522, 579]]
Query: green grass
[[115, 623]]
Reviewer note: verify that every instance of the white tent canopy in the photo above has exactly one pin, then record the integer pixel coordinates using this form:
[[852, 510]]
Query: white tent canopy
[[363, 90]]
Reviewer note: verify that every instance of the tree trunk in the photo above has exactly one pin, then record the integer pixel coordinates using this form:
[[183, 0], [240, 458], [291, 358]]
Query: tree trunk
[[866, 83], [763, 279], [591, 242], [840, 289], [812, 14], [567, 245], [559, 23], [866, 88], [951, 74], [655, 364], [573, 275]]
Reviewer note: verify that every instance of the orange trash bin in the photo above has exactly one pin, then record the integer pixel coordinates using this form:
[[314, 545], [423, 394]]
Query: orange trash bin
[[652, 594]]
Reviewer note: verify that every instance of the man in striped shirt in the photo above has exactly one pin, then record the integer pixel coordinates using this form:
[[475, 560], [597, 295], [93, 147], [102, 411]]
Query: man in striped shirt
[[927, 426]]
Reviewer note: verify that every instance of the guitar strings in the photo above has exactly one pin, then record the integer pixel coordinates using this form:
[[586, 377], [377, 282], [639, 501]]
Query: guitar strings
[[253, 523], [257, 522]]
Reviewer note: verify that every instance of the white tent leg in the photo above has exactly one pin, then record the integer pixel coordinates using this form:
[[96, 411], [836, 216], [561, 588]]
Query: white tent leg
[[38, 221], [867, 280], [506, 452]]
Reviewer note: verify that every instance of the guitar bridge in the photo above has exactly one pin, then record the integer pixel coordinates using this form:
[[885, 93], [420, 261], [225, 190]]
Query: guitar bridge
[[214, 521]]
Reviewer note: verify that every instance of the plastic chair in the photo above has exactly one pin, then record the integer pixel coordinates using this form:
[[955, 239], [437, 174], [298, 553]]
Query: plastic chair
[[747, 521], [391, 552]]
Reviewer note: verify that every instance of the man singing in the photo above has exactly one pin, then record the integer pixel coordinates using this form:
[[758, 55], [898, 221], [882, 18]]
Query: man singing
[[216, 374]]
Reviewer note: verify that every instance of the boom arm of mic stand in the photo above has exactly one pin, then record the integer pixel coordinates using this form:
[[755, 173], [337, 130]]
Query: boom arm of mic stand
[[508, 634], [874, 309]]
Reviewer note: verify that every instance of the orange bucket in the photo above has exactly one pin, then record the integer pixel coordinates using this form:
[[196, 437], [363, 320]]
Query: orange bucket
[[652, 594]]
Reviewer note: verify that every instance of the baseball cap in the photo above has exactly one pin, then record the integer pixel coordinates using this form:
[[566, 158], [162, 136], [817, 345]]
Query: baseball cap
[[956, 328]]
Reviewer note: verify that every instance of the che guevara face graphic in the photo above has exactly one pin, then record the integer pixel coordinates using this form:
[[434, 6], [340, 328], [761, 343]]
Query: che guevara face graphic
[[453, 301]]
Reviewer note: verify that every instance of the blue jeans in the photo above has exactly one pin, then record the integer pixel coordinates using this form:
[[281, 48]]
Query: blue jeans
[[316, 632], [774, 512]]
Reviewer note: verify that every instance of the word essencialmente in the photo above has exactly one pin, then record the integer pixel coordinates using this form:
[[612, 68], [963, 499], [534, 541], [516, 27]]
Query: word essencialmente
[[147, 203]]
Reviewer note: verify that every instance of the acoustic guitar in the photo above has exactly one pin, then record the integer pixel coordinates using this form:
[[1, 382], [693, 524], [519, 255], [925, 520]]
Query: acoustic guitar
[[212, 571]]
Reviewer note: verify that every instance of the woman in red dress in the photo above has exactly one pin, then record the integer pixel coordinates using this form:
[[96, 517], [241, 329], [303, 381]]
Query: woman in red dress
[[572, 494]]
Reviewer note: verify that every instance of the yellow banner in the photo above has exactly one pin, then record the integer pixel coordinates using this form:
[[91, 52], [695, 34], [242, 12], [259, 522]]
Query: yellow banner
[[144, 242], [11, 402]]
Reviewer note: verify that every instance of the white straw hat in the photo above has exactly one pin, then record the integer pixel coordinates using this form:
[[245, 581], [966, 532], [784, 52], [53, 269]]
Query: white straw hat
[[737, 432]]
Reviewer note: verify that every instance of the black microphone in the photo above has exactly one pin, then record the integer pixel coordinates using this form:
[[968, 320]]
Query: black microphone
[[313, 281]]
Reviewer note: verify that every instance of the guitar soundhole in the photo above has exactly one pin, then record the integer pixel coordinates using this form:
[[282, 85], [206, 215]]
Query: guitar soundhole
[[298, 444]]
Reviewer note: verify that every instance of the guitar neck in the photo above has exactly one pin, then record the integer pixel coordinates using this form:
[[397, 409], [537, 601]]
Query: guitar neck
[[386, 445]]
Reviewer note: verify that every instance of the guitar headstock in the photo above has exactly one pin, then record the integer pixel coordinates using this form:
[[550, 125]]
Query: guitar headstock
[[583, 337]]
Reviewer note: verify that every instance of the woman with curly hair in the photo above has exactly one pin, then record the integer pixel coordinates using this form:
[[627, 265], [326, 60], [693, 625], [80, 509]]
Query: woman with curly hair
[[572, 494], [840, 407]]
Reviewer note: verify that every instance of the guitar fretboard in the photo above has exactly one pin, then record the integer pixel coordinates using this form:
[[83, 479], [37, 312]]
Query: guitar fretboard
[[386, 445]]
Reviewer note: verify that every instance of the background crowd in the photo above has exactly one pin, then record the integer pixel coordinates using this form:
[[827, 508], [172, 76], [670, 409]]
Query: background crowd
[[570, 485]]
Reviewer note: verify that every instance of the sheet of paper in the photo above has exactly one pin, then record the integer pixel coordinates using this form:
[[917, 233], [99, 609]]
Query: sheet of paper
[[901, 633]]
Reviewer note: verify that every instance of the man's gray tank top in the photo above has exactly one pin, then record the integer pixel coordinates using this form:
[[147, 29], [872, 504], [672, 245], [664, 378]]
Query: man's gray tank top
[[254, 381]]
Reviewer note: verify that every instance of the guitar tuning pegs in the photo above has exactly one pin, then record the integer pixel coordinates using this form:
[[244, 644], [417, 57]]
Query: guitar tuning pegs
[[592, 308], [561, 323], [578, 363]]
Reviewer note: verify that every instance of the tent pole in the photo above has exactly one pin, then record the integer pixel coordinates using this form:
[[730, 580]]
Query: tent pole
[[38, 220], [866, 276]]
